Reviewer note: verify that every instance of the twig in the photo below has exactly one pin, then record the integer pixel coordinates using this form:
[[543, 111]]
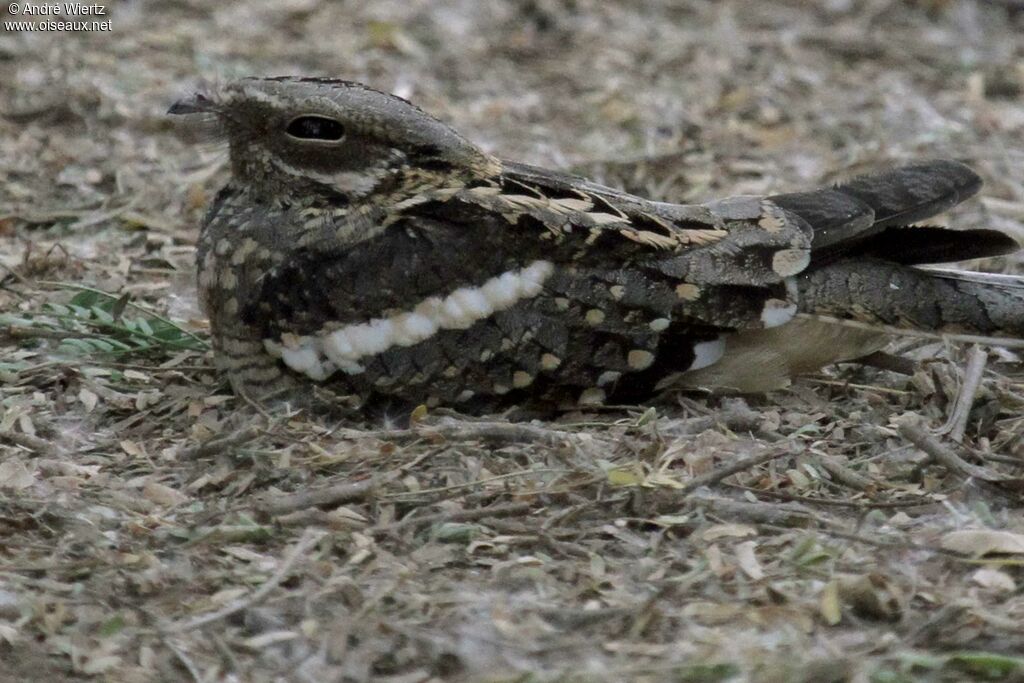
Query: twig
[[735, 420], [332, 495], [760, 513], [570, 618], [845, 476], [507, 433], [509, 510], [215, 445], [15, 274], [887, 361], [185, 660], [811, 500], [225, 651], [878, 542], [33, 443], [253, 403], [715, 476], [956, 425], [1004, 459], [943, 454], [494, 432], [309, 539], [854, 385], [16, 332], [477, 482]]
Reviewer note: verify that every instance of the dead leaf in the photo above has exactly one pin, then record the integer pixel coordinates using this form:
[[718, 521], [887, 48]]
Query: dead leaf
[[418, 414], [871, 596], [994, 579], [712, 613], [9, 634], [131, 448], [163, 495], [88, 399], [15, 475], [713, 533], [747, 560], [671, 520], [625, 476], [713, 555], [798, 478], [979, 542], [663, 480], [829, 604], [25, 422], [97, 665]]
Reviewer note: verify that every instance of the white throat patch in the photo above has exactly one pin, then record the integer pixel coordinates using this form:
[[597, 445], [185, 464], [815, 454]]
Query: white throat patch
[[319, 356]]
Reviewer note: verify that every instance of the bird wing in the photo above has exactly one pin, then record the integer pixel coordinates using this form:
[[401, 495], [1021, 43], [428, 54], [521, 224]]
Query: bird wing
[[582, 285], [542, 280], [724, 260], [863, 282]]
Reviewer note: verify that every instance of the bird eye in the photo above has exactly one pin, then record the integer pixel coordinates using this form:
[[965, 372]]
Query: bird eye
[[315, 128]]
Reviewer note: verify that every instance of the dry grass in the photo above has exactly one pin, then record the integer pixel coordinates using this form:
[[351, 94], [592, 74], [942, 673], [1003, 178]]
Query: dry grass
[[152, 527]]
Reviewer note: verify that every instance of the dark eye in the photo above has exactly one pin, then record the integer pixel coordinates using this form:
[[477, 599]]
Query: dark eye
[[315, 128]]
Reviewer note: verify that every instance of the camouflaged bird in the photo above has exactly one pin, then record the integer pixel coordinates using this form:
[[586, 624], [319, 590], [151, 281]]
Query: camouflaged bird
[[366, 246]]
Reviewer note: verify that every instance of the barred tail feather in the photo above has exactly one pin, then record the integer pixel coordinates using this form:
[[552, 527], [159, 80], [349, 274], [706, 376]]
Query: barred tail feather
[[931, 302], [848, 218]]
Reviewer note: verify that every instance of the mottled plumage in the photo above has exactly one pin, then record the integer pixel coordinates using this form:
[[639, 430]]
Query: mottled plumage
[[366, 246]]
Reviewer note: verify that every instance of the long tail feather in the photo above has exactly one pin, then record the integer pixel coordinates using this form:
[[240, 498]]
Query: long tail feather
[[914, 192], [863, 251], [899, 299], [847, 215], [914, 245]]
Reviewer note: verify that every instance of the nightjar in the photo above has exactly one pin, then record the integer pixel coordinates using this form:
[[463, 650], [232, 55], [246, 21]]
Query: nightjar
[[363, 245]]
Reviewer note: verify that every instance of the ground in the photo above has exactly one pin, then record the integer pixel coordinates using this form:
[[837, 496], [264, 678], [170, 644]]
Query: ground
[[155, 527]]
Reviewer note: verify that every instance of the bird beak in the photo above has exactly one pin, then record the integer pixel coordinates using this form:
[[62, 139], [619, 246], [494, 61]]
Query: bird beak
[[197, 104]]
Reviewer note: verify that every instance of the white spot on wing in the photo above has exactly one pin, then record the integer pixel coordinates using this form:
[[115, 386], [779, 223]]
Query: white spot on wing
[[501, 291], [639, 359], [521, 379], [337, 346], [370, 338], [412, 328], [319, 356], [320, 371], [777, 312], [301, 359], [707, 353], [549, 361], [788, 262], [532, 279], [452, 315]]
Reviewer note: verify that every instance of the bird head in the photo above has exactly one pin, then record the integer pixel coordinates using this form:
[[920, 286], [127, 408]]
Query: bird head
[[292, 137]]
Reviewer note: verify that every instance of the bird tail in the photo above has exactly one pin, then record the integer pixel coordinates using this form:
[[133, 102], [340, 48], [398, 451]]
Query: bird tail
[[865, 257], [890, 297], [872, 215]]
